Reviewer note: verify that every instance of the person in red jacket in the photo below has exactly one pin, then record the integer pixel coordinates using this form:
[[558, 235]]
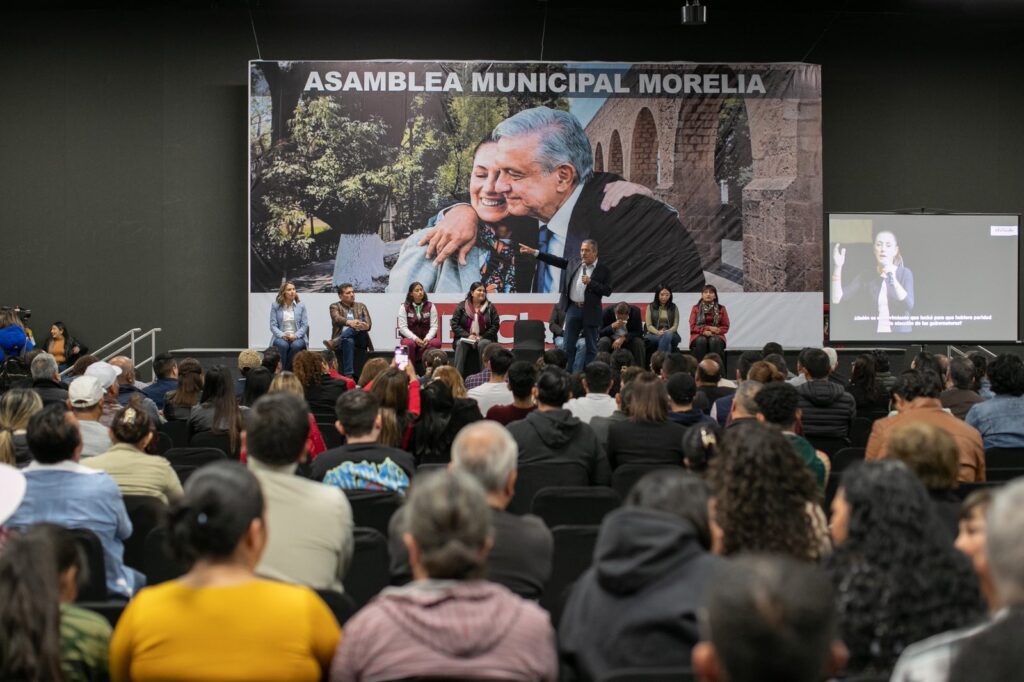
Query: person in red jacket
[[709, 322]]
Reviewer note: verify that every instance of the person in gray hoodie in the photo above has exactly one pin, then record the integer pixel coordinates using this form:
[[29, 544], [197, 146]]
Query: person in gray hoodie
[[449, 622], [551, 435], [637, 605]]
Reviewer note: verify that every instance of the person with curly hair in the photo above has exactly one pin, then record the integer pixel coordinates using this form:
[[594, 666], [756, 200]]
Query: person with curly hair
[[897, 577], [319, 389], [764, 498]]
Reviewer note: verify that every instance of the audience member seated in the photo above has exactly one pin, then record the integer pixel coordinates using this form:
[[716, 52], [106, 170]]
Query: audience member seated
[[931, 454], [287, 382], [372, 368], [495, 391], [14, 339], [432, 359], [248, 360], [289, 325], [166, 369], [441, 418], [17, 406], [217, 413], [655, 360], [272, 359], [769, 618], [474, 326], [128, 389], [418, 323], [1000, 419], [826, 408], [556, 325], [719, 409], [362, 463], [916, 398], [677, 362], [833, 368], [553, 357], [600, 425], [550, 434], [46, 381], [134, 471], [64, 348], [870, 396], [46, 637], [597, 382], [708, 378], [647, 437], [520, 557], [960, 394], [219, 621], [777, 404], [393, 390], [883, 375], [484, 375], [319, 389], [521, 378], [258, 382], [993, 547], [308, 525], [85, 395], [992, 655], [464, 626], [682, 390], [700, 447], [893, 566], [723, 380], [107, 375], [178, 403], [763, 497], [450, 377], [743, 403], [779, 362], [88, 498], [622, 329], [638, 605]]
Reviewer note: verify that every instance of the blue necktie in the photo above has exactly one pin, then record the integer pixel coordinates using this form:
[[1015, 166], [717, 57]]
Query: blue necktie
[[544, 278]]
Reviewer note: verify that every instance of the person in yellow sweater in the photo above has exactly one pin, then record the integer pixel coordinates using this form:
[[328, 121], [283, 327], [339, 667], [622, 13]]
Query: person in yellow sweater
[[219, 622]]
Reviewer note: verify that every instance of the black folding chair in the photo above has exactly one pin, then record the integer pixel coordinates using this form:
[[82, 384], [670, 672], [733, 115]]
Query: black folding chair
[[332, 439], [373, 508], [95, 587], [625, 476], [370, 569], [573, 554], [649, 675], [146, 513], [1004, 458], [533, 477], [185, 461], [528, 340], [163, 442], [427, 467], [576, 506], [965, 489], [111, 610], [340, 604], [860, 431], [841, 461], [160, 565], [177, 431], [830, 445], [1003, 474], [215, 441]]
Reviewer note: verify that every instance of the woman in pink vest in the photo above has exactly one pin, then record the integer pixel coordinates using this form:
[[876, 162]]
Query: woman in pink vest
[[417, 323]]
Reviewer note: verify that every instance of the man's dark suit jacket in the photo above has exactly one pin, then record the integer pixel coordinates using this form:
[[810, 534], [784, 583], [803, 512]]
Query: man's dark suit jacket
[[599, 287], [641, 240], [634, 327]]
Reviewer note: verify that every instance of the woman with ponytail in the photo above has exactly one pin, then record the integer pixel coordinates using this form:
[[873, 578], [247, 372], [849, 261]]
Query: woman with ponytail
[[219, 621], [16, 407], [464, 625]]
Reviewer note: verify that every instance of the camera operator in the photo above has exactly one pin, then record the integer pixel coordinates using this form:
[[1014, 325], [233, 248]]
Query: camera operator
[[15, 339]]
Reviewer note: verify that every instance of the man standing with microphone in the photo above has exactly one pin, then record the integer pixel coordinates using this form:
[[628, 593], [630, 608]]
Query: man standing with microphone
[[581, 291]]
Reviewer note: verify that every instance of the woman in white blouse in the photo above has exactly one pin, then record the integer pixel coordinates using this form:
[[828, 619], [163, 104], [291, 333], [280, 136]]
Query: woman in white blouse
[[289, 324], [417, 323]]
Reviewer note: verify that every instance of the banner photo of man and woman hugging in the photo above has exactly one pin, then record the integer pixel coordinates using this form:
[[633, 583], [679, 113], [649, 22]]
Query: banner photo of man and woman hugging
[[385, 174]]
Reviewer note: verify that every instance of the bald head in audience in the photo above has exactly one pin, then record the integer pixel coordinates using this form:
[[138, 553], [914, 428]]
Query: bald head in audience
[[709, 373], [127, 369], [486, 451]]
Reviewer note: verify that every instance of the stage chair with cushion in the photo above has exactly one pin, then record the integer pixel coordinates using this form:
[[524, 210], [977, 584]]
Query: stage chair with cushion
[[534, 477], [528, 340], [576, 506]]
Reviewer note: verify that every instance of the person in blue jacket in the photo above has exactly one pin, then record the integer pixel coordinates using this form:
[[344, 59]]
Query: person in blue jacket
[[289, 325]]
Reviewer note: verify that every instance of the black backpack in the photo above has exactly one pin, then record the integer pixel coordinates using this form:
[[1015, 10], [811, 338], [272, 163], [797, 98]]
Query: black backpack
[[14, 371]]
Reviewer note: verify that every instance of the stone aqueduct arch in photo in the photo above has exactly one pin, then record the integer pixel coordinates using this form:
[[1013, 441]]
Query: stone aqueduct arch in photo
[[670, 147]]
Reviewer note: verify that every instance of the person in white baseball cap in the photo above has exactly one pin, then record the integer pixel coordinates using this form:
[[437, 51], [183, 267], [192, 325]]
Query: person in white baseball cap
[[85, 395], [107, 375]]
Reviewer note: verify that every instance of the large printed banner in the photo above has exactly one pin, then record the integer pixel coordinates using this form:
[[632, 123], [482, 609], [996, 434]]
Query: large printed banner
[[684, 174]]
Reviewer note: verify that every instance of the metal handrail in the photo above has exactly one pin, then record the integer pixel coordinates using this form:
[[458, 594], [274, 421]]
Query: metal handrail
[[953, 350], [130, 347]]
